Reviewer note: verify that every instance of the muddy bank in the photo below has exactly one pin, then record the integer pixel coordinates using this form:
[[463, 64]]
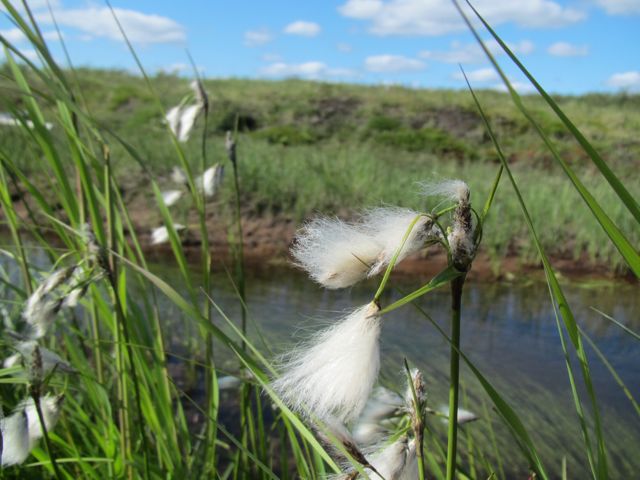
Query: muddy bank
[[268, 238], [267, 241]]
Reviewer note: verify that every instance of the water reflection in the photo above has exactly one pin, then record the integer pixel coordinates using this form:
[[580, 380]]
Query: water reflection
[[508, 330]]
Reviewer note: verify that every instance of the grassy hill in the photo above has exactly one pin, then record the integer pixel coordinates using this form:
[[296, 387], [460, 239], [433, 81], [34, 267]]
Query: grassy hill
[[306, 147]]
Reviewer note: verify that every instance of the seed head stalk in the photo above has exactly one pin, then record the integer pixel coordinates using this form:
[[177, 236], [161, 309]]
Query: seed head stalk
[[462, 250], [454, 374]]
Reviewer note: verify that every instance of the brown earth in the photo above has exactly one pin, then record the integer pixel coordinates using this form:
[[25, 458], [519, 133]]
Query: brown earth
[[268, 238], [267, 241]]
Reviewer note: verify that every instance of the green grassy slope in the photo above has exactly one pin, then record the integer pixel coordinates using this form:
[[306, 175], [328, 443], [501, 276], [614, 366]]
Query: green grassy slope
[[308, 147]]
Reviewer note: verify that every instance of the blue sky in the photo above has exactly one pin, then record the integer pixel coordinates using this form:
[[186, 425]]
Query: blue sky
[[571, 47]]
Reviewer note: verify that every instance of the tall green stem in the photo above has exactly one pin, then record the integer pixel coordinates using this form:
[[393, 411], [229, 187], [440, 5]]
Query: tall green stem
[[454, 373]]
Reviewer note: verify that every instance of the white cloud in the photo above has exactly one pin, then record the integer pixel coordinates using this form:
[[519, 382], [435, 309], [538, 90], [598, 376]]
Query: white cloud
[[140, 27], [255, 38], [362, 9], [473, 53], [271, 57], [619, 7], [313, 70], [393, 63], [439, 17], [176, 68], [13, 35], [302, 28], [52, 35], [625, 80], [564, 49], [522, 88], [481, 75], [344, 47]]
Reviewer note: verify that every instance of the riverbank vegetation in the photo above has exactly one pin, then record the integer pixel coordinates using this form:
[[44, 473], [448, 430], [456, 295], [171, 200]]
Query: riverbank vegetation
[[310, 147]]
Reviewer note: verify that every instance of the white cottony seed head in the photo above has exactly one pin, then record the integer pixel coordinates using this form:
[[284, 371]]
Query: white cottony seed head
[[173, 119], [391, 461], [181, 120], [334, 253], [389, 226], [171, 197], [15, 438], [210, 180], [454, 190], [372, 425], [338, 254], [333, 374], [161, 234], [201, 95], [50, 360], [50, 407], [178, 176]]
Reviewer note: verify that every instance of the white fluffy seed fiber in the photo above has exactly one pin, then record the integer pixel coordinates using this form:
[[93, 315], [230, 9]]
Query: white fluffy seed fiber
[[15, 439], [334, 253], [50, 407], [388, 226], [454, 190], [333, 375], [338, 254]]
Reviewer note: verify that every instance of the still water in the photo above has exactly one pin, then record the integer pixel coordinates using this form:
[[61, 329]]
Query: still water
[[508, 330]]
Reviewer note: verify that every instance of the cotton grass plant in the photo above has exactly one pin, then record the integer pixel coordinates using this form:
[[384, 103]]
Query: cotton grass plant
[[332, 375], [92, 331]]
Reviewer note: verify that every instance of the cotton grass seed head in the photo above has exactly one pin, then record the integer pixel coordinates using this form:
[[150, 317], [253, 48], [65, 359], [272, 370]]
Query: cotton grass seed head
[[171, 197], [161, 234], [455, 190], [40, 315], [49, 360], [181, 120], [50, 407], [15, 438], [375, 422], [202, 98], [391, 461], [337, 254], [333, 374], [334, 253], [178, 176], [389, 226], [210, 180]]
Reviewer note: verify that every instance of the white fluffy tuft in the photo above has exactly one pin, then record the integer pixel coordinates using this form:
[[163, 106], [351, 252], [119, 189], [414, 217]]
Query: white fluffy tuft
[[381, 406], [210, 180], [181, 120], [178, 176], [50, 407], [464, 416], [332, 375], [171, 197], [335, 254], [396, 461], [455, 190], [338, 254], [50, 360], [389, 226], [15, 439], [161, 234]]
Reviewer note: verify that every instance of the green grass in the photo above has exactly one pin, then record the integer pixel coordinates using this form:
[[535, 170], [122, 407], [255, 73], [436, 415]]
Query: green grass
[[297, 138], [302, 147]]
